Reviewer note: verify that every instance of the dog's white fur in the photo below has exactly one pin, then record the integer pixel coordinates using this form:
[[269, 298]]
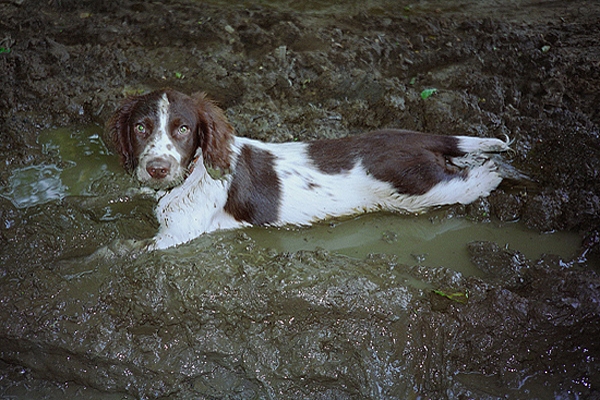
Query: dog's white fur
[[197, 205]]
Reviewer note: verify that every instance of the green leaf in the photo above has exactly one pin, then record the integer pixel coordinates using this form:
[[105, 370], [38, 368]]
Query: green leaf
[[427, 93], [459, 297], [4, 50]]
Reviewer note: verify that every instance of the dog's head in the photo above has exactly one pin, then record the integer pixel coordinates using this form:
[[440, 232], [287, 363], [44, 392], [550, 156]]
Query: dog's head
[[159, 134]]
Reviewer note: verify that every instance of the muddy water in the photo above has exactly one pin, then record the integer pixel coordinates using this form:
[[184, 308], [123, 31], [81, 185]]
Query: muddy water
[[79, 158], [432, 239]]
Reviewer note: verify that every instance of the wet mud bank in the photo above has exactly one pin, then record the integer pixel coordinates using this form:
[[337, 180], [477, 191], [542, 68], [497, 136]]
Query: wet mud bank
[[224, 317]]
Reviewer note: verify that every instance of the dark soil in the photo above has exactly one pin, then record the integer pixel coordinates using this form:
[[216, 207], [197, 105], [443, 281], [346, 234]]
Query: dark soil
[[168, 327]]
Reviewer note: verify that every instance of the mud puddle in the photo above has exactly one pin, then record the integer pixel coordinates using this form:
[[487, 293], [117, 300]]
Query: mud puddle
[[431, 239], [80, 159]]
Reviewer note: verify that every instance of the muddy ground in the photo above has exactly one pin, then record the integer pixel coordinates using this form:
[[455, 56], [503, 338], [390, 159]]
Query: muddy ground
[[240, 322]]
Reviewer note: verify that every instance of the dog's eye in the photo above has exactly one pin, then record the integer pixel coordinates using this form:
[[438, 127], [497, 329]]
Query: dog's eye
[[140, 129], [183, 130]]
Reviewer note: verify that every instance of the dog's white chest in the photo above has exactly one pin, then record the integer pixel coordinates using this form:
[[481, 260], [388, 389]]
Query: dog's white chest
[[194, 208]]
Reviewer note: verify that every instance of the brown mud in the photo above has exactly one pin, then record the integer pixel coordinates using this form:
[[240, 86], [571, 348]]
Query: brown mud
[[242, 322]]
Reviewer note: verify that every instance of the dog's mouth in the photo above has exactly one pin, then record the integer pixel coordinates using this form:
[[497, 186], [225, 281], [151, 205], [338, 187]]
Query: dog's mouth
[[162, 184]]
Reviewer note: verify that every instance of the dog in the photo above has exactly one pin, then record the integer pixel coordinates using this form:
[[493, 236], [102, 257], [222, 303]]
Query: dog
[[208, 179]]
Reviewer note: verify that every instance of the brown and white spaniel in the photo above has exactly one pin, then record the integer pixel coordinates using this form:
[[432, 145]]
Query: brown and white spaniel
[[208, 179]]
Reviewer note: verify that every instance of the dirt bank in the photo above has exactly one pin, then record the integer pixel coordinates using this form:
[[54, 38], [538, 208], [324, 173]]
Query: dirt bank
[[282, 325]]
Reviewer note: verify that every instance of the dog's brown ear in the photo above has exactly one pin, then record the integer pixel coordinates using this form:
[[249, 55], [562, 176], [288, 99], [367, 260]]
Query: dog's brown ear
[[215, 134], [118, 135]]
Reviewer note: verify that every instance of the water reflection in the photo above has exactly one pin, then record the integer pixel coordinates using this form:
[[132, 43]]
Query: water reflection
[[37, 184], [81, 159]]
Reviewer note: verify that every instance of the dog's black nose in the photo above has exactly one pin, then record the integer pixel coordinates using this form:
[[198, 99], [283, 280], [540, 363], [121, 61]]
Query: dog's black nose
[[158, 168]]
